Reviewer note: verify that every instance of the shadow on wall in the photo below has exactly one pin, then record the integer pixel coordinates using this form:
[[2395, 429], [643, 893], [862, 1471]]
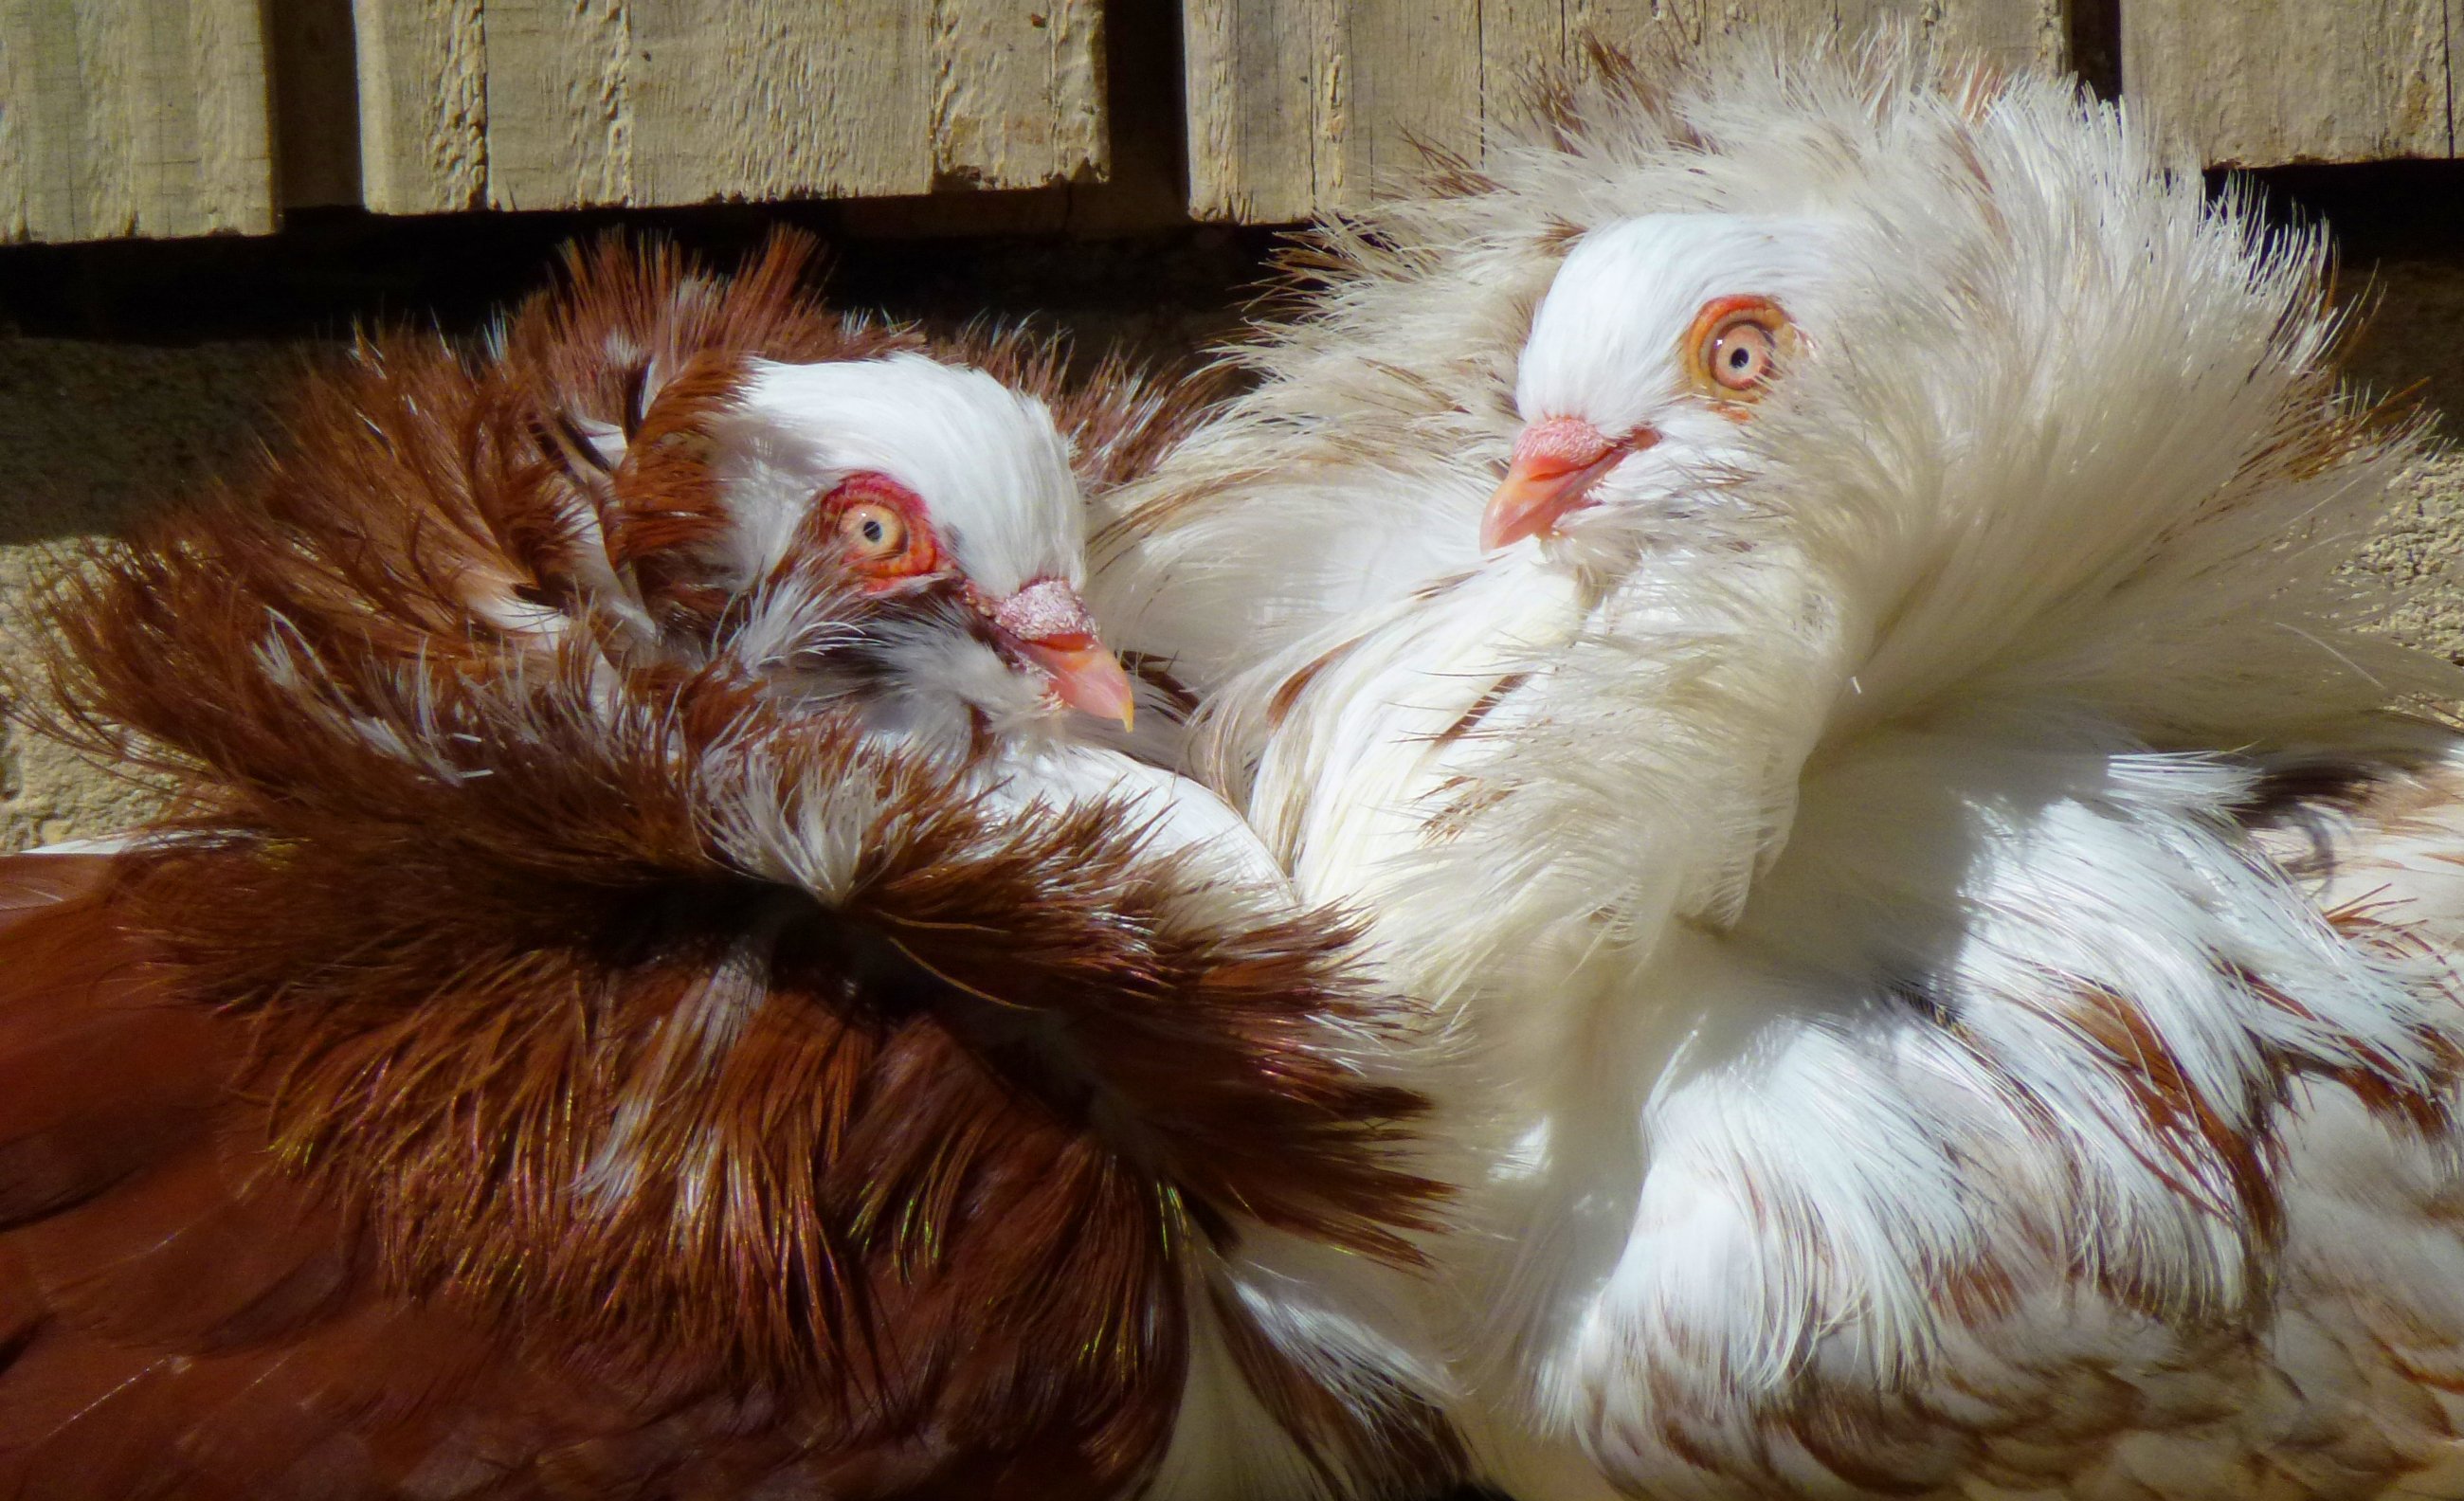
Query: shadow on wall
[[131, 372], [2399, 229], [96, 432], [138, 370]]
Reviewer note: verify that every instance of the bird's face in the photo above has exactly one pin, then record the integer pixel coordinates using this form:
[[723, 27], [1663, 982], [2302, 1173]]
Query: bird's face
[[1656, 343], [916, 540]]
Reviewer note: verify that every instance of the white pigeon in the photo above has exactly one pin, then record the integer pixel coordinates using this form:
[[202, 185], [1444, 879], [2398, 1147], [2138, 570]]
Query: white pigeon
[[1944, 898]]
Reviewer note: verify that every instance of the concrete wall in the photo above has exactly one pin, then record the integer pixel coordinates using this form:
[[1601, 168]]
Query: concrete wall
[[90, 435], [2413, 342], [93, 430]]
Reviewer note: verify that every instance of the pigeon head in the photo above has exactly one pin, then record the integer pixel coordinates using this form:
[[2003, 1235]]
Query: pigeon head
[[1657, 341], [906, 537]]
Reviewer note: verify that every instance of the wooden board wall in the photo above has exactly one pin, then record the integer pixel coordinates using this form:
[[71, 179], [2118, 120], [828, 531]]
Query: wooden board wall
[[2262, 82], [1306, 106], [152, 116], [560, 103], [133, 116]]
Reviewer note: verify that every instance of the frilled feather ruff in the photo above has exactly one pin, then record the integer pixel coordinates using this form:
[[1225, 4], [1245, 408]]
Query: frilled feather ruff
[[1857, 882], [606, 1076]]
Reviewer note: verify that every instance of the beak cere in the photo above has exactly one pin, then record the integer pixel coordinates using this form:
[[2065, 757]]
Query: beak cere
[[1048, 623], [1556, 463]]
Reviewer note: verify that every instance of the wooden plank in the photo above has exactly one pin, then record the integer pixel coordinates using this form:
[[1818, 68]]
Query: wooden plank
[[773, 98], [1418, 83], [563, 103], [562, 81], [2262, 82], [423, 104], [1018, 93], [1144, 187], [133, 118], [2013, 34], [1297, 107], [1254, 70]]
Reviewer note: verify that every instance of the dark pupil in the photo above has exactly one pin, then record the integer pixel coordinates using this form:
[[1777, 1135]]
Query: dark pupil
[[1740, 357], [871, 529]]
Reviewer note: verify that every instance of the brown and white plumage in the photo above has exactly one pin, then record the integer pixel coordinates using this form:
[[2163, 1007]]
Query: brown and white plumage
[[1949, 913], [644, 993]]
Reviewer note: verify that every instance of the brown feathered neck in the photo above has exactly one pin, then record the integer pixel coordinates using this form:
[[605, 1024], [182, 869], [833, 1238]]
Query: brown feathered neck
[[661, 1019]]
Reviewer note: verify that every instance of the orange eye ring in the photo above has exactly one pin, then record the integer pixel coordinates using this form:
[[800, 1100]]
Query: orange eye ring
[[1736, 346], [876, 527]]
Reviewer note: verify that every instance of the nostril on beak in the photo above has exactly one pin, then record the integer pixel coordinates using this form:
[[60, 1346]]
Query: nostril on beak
[[1044, 609], [1561, 444]]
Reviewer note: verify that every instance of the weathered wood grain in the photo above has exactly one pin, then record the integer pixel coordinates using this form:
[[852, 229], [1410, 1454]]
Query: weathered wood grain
[[1018, 92], [423, 104], [2261, 82], [771, 99], [152, 116], [1298, 107], [562, 81], [561, 104], [133, 118]]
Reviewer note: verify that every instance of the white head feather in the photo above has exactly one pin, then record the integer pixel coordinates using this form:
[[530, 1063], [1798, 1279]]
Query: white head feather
[[988, 474], [986, 458], [1609, 350]]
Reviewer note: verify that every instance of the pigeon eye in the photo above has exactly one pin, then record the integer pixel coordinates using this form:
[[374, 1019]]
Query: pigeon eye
[[1736, 346], [1741, 358], [874, 525], [872, 533]]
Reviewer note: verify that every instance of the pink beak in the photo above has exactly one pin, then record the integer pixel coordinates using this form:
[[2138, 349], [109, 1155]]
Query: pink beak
[[1556, 463], [1049, 626]]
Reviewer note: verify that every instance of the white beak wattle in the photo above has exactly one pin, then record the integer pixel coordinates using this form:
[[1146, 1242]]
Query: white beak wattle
[[1049, 625]]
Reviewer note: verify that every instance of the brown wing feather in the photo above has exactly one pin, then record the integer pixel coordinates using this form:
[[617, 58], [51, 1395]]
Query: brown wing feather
[[150, 1276], [191, 1321], [98, 1076]]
